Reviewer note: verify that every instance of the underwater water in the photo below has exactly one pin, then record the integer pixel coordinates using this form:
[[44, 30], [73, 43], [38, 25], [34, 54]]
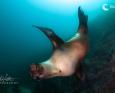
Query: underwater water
[[22, 45]]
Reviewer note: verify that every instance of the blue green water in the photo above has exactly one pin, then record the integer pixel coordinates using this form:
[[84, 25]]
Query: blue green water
[[22, 45]]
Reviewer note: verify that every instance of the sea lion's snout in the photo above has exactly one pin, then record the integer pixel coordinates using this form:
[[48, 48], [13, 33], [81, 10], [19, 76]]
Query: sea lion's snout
[[36, 71]]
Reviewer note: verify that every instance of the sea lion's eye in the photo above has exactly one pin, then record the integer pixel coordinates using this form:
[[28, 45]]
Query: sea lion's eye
[[60, 71]]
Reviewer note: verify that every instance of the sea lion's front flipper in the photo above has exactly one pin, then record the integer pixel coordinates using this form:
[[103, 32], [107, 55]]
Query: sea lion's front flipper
[[82, 17], [82, 28], [55, 40], [82, 21]]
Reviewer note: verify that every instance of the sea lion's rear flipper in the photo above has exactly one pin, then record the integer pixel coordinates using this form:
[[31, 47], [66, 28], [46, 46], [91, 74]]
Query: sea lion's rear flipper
[[80, 73], [55, 40]]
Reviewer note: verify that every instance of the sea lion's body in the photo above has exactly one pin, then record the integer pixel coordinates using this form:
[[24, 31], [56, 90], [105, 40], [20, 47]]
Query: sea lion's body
[[67, 56]]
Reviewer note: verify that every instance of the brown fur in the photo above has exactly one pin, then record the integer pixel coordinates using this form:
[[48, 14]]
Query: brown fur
[[67, 58]]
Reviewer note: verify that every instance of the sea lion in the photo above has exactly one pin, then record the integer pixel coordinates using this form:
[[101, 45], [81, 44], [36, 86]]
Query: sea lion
[[67, 56]]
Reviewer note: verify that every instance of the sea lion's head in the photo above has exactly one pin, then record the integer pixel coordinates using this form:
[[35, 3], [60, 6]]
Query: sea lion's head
[[37, 71], [44, 70]]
